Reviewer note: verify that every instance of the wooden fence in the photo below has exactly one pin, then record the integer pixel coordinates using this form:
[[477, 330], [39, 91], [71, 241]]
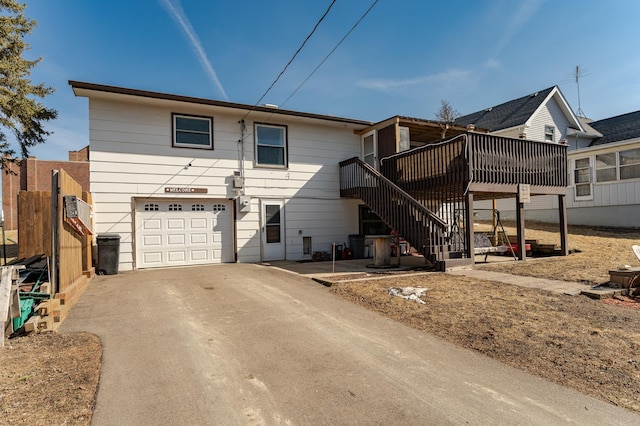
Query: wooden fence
[[73, 248]]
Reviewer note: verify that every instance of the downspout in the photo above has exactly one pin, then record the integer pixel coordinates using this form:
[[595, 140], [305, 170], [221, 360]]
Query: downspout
[[243, 129]]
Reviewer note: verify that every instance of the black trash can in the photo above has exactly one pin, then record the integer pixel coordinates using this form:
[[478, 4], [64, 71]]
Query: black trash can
[[108, 254], [356, 244]]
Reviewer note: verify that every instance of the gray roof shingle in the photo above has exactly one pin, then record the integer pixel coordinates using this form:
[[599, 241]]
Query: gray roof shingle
[[619, 128], [509, 114]]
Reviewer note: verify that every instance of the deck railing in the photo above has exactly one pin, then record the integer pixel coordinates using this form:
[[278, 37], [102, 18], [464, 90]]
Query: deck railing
[[478, 158], [418, 225], [494, 159]]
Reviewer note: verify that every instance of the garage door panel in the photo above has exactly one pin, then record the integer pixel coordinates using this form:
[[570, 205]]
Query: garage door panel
[[169, 236], [175, 223], [152, 258], [199, 255], [152, 240], [200, 223], [176, 239], [199, 238], [176, 256], [151, 224]]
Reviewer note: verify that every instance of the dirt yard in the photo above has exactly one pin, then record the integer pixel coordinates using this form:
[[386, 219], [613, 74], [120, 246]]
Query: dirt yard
[[49, 379], [589, 345]]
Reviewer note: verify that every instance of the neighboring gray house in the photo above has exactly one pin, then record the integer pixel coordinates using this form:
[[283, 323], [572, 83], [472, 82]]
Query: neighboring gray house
[[604, 158], [605, 178], [540, 116]]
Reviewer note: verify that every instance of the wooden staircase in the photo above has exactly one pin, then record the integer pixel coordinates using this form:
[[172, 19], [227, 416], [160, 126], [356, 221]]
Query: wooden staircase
[[423, 229]]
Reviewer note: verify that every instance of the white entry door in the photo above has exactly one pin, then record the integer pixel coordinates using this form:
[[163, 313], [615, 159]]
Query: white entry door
[[369, 149], [273, 247], [183, 232]]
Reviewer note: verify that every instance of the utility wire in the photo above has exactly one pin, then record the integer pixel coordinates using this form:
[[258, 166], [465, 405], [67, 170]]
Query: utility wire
[[293, 57], [332, 50]]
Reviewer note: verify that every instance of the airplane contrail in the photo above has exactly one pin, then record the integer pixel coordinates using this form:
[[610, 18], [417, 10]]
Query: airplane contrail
[[175, 9]]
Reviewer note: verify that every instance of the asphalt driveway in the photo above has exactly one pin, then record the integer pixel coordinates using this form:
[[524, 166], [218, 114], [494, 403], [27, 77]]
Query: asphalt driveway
[[250, 344]]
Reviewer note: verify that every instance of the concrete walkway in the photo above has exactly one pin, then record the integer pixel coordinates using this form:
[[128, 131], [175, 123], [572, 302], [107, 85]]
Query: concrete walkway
[[239, 344], [555, 286], [325, 271]]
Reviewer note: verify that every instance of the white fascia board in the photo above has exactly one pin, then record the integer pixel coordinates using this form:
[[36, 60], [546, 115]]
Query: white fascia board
[[564, 106], [615, 146]]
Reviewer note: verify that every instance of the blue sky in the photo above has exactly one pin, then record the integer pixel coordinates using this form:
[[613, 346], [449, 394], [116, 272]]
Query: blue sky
[[403, 58]]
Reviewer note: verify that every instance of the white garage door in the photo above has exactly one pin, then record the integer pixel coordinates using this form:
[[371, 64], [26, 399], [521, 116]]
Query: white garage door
[[183, 232]]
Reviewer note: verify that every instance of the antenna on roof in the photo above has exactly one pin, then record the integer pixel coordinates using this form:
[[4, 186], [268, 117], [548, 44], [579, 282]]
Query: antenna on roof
[[578, 74]]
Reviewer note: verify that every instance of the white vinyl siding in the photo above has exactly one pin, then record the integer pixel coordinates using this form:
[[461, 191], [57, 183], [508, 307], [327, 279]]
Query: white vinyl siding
[[132, 157], [550, 116]]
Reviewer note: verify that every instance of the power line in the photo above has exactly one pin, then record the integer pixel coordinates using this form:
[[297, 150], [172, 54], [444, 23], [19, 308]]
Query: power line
[[332, 50], [293, 57]]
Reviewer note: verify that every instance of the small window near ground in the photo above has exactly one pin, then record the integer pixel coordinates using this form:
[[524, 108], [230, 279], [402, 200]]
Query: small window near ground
[[606, 167], [192, 131], [549, 133], [219, 207], [151, 207], [271, 145], [197, 207], [175, 207], [582, 177], [630, 164]]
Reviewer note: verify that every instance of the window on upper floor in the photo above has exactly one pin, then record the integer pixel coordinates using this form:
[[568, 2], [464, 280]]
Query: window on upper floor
[[191, 131], [271, 145], [549, 134]]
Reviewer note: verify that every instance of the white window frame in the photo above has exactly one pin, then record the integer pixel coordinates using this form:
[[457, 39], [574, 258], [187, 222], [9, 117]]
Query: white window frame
[[175, 131], [620, 166], [615, 167], [549, 133], [285, 143], [590, 183]]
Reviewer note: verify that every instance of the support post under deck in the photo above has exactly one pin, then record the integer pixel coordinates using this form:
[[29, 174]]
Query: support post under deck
[[522, 255], [564, 230], [469, 234]]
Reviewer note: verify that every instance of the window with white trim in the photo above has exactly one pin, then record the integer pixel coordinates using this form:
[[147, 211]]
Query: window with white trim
[[606, 167], [219, 207], [175, 207], [582, 178], [151, 207], [549, 134], [197, 207], [630, 164], [271, 145], [192, 131]]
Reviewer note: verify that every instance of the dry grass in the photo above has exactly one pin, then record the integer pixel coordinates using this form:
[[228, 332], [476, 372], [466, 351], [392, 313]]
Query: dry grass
[[597, 250], [574, 341]]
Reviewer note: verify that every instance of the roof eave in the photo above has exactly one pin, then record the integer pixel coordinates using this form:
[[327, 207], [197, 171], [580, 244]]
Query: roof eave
[[79, 86]]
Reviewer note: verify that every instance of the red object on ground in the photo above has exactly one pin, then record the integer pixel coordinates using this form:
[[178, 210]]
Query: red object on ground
[[516, 249]]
